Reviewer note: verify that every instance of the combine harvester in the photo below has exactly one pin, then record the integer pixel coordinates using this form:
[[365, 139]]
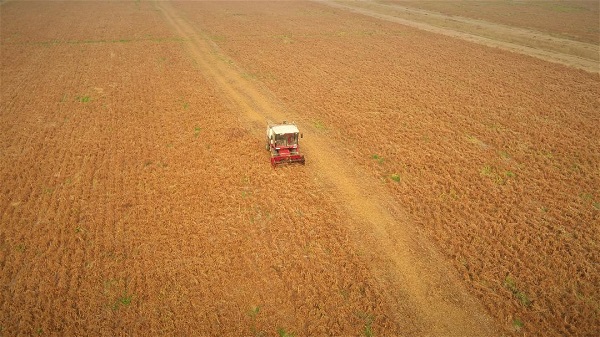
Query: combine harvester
[[282, 141]]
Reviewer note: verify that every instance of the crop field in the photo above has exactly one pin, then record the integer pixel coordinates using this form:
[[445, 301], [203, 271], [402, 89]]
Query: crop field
[[450, 187], [574, 19]]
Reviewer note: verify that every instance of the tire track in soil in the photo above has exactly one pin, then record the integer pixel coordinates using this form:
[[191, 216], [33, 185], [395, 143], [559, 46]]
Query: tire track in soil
[[547, 55], [402, 260]]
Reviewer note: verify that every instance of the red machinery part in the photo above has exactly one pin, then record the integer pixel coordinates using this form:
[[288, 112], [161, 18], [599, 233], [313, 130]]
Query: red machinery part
[[287, 159]]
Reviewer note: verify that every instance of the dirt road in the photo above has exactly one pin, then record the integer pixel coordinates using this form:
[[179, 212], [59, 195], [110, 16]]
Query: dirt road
[[418, 280], [537, 44]]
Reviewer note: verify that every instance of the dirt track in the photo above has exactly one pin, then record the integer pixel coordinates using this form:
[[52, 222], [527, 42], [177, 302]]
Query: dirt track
[[411, 271], [546, 47], [453, 190], [457, 128]]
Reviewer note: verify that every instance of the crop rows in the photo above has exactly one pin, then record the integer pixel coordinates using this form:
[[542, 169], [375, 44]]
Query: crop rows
[[495, 155]]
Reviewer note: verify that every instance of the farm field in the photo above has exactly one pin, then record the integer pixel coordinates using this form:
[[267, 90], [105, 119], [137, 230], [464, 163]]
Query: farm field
[[572, 19], [548, 46], [450, 188]]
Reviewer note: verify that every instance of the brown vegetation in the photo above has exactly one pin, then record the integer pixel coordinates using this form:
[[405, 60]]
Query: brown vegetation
[[573, 19], [133, 201], [496, 153]]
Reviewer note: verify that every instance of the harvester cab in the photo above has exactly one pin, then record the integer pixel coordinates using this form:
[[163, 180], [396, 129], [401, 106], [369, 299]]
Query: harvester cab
[[282, 142]]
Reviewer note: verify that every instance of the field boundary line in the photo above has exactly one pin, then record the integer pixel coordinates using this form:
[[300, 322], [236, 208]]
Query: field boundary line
[[570, 60]]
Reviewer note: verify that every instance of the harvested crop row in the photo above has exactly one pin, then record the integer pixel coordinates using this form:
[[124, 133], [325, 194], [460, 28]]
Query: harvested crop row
[[495, 155], [573, 19], [133, 201]]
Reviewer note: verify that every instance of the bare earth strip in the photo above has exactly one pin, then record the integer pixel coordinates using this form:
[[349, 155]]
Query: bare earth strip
[[419, 280], [568, 52], [495, 31]]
